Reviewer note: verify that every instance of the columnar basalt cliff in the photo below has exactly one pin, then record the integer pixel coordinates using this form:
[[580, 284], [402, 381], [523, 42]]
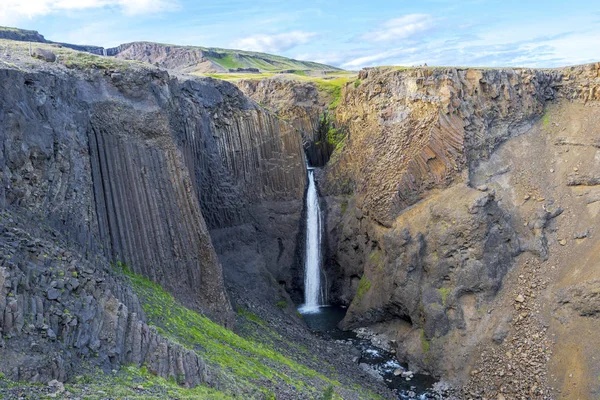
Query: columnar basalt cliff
[[302, 104], [136, 166], [61, 313]]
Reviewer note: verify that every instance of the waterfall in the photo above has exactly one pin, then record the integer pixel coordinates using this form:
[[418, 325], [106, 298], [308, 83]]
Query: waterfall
[[104, 53], [312, 259]]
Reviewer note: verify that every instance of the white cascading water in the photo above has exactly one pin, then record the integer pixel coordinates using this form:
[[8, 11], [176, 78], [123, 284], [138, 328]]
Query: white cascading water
[[312, 259]]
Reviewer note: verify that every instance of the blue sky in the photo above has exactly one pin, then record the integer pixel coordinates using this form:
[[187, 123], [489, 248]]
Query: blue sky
[[349, 34]]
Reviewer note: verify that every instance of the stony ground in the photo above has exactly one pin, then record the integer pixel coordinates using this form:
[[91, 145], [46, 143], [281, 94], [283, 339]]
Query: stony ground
[[542, 341]]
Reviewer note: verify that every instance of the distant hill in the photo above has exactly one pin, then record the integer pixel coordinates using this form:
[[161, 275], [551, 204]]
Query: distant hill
[[189, 59]]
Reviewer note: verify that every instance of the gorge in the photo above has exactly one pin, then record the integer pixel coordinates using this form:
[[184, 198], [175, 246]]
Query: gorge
[[160, 231]]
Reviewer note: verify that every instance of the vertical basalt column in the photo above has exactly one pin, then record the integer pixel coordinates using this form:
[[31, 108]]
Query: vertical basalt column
[[149, 216]]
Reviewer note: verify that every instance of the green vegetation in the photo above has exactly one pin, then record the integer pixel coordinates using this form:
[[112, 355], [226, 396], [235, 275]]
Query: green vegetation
[[334, 136], [444, 292], [376, 258], [234, 76], [20, 34], [363, 287], [281, 304], [71, 58], [424, 342], [251, 316], [328, 393], [243, 361], [357, 83], [128, 383], [546, 119], [265, 62], [227, 62], [344, 206], [137, 383], [83, 60], [333, 87]]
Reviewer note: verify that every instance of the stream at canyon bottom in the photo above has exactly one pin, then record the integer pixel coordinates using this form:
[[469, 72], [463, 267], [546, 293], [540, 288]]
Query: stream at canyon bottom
[[376, 361]]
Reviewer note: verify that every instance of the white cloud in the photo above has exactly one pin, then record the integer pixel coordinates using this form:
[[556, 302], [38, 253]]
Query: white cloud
[[401, 28], [13, 11], [377, 58], [273, 43]]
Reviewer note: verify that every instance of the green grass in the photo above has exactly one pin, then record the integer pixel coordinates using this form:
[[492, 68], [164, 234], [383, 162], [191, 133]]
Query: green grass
[[125, 384], [242, 360], [82, 60], [328, 393], [335, 137], [444, 292], [251, 316], [425, 344], [228, 62], [376, 258], [234, 76], [546, 119], [333, 87], [281, 304], [128, 383], [357, 83], [228, 58], [363, 287]]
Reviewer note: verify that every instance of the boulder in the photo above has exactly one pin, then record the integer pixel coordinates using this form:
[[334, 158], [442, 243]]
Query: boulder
[[43, 54]]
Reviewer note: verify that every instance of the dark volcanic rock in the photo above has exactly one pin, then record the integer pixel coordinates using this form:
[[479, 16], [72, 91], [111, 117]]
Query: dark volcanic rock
[[134, 166], [97, 323]]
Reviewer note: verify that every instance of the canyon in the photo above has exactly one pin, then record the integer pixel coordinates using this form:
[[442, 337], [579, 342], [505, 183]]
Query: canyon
[[153, 226]]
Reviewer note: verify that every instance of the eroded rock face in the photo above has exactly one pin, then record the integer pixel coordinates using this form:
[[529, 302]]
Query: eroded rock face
[[138, 167], [141, 166], [171, 57], [439, 263], [418, 245], [302, 105], [101, 157], [413, 131]]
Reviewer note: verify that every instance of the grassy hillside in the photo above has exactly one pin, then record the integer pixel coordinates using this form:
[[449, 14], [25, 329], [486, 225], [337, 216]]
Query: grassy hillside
[[20, 34], [225, 59], [231, 59]]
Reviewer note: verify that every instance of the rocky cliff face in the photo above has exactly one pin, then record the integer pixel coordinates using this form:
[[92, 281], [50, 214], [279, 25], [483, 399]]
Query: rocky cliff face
[[62, 313], [300, 103], [171, 57], [419, 240], [79, 176], [136, 166]]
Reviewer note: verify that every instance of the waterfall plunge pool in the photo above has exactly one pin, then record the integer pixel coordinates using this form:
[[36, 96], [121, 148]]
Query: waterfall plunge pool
[[382, 364]]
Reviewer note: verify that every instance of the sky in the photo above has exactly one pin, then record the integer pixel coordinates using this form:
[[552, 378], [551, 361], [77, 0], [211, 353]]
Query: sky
[[347, 34]]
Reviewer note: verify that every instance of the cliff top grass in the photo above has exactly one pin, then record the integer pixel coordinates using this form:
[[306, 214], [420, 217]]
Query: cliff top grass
[[330, 84]]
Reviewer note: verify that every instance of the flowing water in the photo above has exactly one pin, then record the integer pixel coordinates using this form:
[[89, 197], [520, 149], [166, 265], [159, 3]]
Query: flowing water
[[312, 260], [323, 319], [379, 363]]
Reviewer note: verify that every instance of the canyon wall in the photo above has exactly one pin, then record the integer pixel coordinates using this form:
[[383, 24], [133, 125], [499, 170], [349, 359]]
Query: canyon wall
[[138, 168], [419, 238], [301, 104]]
